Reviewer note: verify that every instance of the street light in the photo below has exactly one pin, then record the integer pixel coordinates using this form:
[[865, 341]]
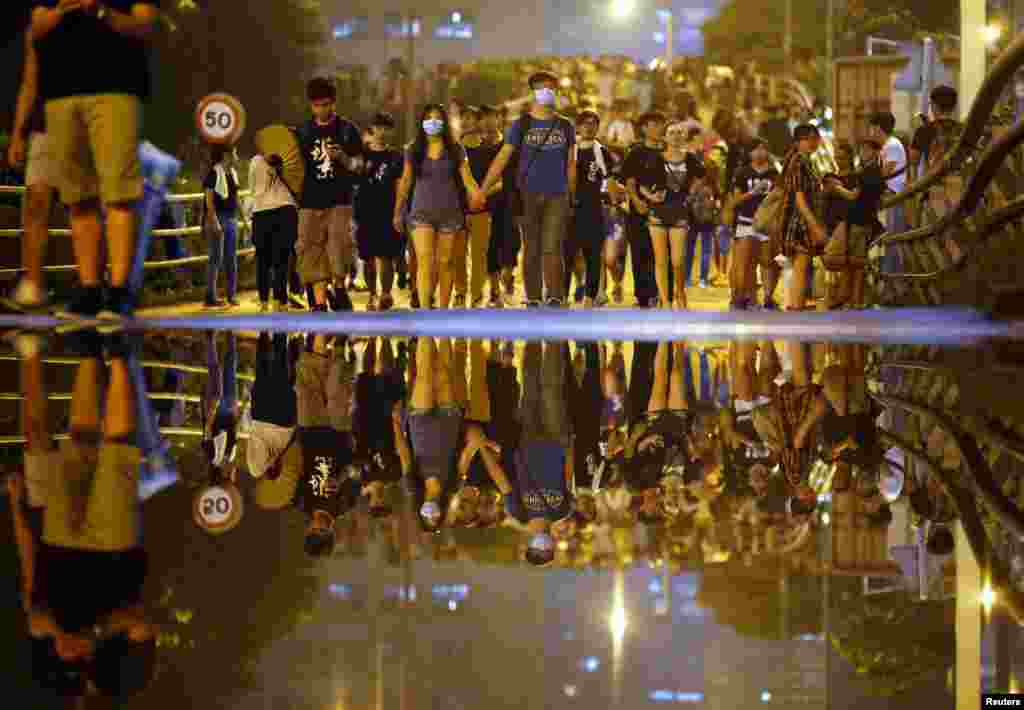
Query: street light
[[991, 34], [622, 9]]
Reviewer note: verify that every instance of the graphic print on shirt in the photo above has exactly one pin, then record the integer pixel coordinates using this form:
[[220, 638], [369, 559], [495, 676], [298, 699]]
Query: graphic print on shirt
[[318, 481], [594, 174], [675, 175], [543, 500], [322, 159], [535, 138]]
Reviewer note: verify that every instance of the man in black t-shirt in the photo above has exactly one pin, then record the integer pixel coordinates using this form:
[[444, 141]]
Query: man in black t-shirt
[[327, 488], [93, 76], [634, 170], [480, 153], [333, 149], [594, 164]]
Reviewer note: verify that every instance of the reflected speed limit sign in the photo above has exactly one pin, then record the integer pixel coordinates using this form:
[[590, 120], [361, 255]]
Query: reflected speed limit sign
[[220, 119], [217, 509]]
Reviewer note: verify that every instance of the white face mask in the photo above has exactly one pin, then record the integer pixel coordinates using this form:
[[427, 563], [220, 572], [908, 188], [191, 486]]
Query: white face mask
[[545, 97]]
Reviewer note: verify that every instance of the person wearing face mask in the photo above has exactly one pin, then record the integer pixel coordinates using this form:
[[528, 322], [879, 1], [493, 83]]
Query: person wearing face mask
[[437, 177], [547, 181]]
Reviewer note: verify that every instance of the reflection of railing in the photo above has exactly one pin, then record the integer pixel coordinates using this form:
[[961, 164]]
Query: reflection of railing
[[935, 250], [191, 432], [67, 396], [148, 364], [243, 225]]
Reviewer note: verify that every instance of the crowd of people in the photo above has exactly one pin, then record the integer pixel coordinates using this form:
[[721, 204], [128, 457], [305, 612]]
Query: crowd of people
[[482, 197]]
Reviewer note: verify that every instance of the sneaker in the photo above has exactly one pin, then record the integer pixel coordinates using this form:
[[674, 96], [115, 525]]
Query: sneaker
[[534, 304], [298, 301], [770, 305], [85, 303], [371, 304], [387, 302], [28, 345], [459, 301], [588, 302], [602, 300], [265, 307], [479, 302], [320, 308], [496, 302], [214, 303], [555, 303], [28, 297], [233, 302]]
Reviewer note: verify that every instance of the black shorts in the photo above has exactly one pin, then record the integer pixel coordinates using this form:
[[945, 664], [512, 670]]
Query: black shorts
[[379, 240]]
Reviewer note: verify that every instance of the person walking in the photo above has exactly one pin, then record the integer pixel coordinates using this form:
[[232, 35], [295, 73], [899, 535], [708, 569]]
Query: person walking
[[640, 165], [803, 234], [547, 181], [275, 226], [437, 177], [220, 221], [93, 105], [480, 153], [380, 244], [30, 147], [333, 150]]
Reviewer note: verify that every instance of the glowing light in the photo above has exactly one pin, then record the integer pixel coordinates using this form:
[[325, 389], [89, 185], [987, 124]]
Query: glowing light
[[453, 605], [456, 17], [766, 697], [566, 82], [591, 664], [617, 622], [988, 597], [825, 519], [621, 9], [655, 63], [570, 691], [991, 33], [828, 114]]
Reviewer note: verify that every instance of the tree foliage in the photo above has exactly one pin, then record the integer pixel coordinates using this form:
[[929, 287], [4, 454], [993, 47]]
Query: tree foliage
[[260, 52]]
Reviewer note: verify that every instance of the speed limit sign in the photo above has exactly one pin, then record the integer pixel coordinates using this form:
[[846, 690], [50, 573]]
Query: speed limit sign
[[220, 119], [217, 509]]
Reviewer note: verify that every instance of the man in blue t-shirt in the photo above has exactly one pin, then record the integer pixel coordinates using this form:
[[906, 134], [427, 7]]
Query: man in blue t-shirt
[[547, 181]]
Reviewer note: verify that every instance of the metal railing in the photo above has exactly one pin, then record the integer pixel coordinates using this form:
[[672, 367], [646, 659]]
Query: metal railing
[[244, 226]]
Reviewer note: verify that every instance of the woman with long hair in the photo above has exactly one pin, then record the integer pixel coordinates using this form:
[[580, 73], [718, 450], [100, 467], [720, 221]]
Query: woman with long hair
[[437, 176], [220, 222]]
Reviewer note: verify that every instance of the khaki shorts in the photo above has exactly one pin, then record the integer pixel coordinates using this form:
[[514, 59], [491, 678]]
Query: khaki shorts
[[98, 488], [841, 385], [324, 248], [41, 169], [95, 143], [323, 387], [38, 469]]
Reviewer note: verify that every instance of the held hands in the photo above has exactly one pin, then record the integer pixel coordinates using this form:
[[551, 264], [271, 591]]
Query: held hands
[[477, 200], [398, 223]]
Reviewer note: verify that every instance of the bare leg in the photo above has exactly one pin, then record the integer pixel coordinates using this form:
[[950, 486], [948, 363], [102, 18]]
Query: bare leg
[[677, 247], [659, 240], [36, 220], [87, 241], [447, 245], [795, 296], [121, 239], [424, 241]]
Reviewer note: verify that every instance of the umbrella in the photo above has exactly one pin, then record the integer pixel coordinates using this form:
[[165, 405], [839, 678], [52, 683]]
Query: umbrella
[[281, 140]]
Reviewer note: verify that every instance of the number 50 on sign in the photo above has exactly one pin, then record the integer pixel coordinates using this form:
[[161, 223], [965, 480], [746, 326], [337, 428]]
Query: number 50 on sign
[[220, 118]]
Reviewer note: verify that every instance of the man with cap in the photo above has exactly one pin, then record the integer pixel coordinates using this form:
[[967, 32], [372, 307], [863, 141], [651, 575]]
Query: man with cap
[[547, 181]]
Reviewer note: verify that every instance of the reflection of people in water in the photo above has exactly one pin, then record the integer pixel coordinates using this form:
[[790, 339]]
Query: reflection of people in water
[[541, 496], [274, 405], [220, 409], [83, 572], [491, 436], [429, 429], [327, 487], [379, 387]]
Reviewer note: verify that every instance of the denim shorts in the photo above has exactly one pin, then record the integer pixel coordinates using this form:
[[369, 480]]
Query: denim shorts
[[449, 223]]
